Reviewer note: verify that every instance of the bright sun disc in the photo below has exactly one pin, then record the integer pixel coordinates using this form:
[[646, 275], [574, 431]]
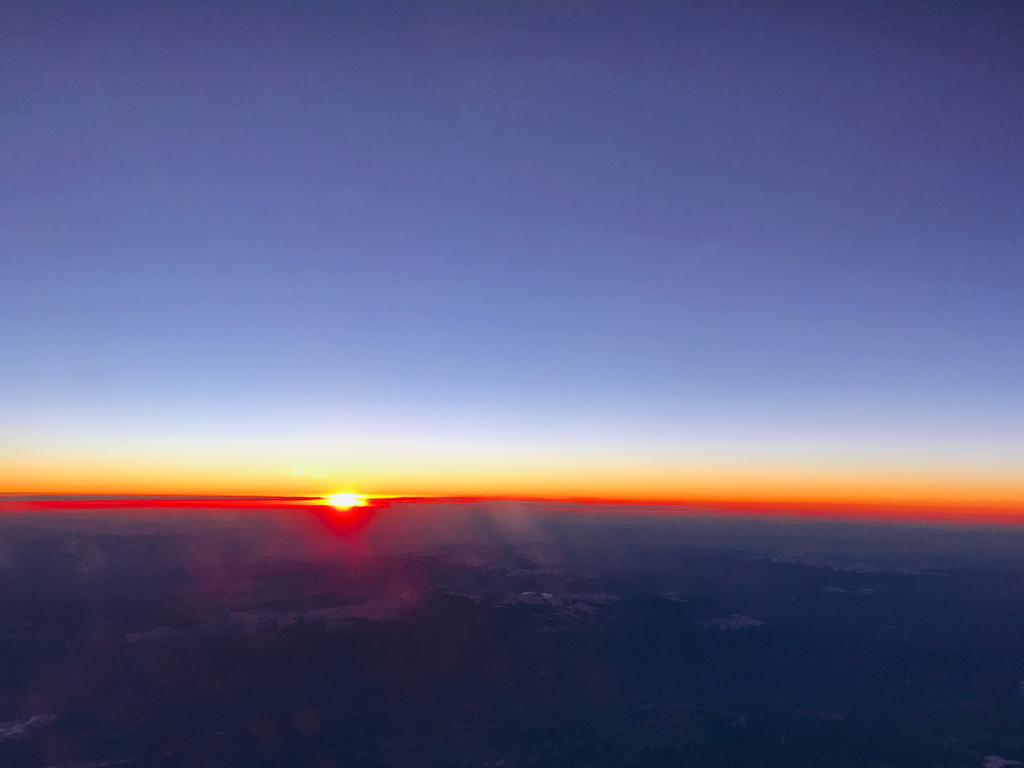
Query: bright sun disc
[[346, 500]]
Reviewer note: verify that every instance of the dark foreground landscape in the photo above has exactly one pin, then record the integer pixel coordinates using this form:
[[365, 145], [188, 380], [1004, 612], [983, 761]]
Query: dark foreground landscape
[[562, 641]]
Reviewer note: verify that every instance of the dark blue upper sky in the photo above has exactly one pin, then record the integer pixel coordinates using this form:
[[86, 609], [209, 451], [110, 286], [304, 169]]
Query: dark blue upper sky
[[553, 219]]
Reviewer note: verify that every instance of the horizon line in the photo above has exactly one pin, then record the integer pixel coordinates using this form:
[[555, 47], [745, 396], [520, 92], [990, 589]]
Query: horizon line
[[28, 503]]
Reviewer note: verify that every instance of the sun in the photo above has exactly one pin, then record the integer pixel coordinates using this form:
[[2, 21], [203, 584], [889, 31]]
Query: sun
[[345, 500]]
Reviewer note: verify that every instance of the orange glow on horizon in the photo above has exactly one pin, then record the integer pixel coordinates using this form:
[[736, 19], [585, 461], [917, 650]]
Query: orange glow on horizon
[[802, 488], [813, 494]]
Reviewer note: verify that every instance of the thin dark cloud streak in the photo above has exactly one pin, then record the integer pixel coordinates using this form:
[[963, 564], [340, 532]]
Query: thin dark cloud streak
[[497, 507]]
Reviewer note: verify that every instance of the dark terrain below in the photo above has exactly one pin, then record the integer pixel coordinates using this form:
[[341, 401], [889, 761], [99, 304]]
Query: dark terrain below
[[194, 647]]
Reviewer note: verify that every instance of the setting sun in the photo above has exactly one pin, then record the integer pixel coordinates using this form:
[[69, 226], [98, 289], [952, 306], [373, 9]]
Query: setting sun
[[346, 500]]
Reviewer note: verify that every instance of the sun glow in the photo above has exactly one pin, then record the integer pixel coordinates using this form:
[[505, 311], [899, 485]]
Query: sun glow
[[346, 500]]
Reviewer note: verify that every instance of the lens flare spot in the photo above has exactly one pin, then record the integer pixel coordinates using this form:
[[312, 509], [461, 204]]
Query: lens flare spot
[[345, 500]]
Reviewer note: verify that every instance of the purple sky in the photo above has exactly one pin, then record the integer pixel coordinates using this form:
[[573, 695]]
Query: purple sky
[[678, 228]]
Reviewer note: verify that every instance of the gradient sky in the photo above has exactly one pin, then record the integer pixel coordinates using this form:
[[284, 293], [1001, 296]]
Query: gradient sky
[[622, 249]]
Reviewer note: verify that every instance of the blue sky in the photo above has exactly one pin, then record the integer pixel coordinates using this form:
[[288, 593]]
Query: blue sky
[[638, 230]]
